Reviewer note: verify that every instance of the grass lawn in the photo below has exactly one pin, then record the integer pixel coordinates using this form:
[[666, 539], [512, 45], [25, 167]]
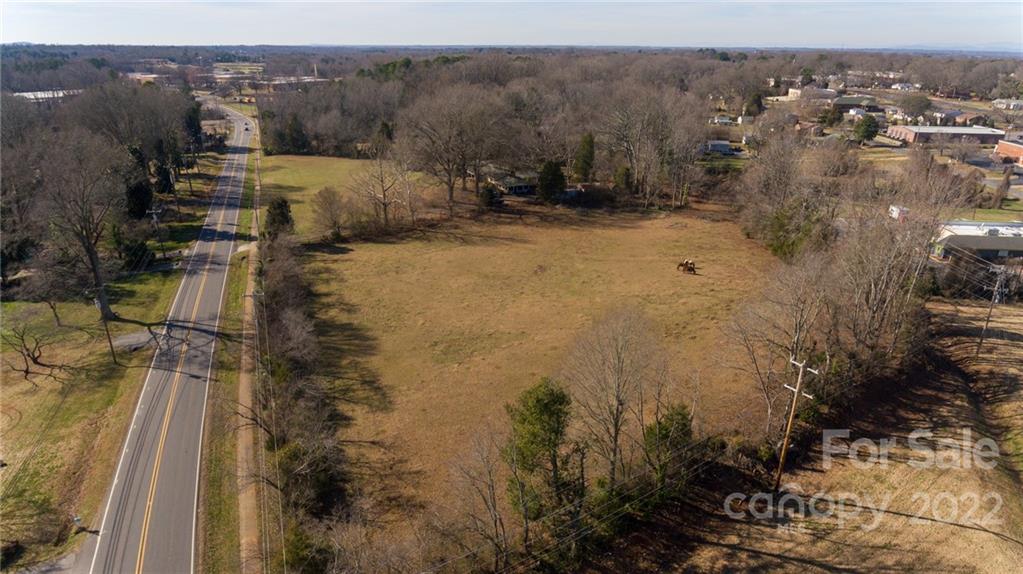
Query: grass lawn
[[723, 164], [191, 203], [219, 497], [1012, 210], [62, 442], [219, 537], [243, 108], [298, 178]]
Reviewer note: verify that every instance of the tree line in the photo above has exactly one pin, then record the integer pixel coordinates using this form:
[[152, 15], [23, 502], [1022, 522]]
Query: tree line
[[850, 296], [79, 183]]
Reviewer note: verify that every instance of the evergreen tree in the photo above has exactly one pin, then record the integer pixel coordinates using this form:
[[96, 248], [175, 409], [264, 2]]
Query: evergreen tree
[[138, 189], [295, 138], [866, 129], [623, 179], [663, 441], [539, 421], [551, 183], [584, 157], [754, 105], [830, 117], [138, 198], [278, 218]]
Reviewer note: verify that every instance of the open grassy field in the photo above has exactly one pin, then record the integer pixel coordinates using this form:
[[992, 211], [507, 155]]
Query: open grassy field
[[243, 108], [438, 333], [434, 333], [298, 178]]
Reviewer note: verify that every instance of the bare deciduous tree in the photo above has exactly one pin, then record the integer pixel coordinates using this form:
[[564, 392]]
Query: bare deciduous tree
[[607, 370], [433, 130], [477, 477], [328, 212], [82, 190]]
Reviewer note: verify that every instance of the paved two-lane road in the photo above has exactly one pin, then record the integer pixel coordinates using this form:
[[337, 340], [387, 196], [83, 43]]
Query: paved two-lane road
[[149, 521]]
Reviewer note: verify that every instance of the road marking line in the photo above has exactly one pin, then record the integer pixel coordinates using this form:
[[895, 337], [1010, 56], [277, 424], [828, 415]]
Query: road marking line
[[142, 393], [213, 347], [174, 385]]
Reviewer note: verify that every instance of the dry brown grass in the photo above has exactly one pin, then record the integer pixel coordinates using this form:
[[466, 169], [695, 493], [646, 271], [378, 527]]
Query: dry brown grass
[[955, 392], [435, 334]]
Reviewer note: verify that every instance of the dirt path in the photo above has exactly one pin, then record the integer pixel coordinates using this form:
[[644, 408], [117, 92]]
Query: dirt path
[[248, 516], [951, 516], [247, 469]]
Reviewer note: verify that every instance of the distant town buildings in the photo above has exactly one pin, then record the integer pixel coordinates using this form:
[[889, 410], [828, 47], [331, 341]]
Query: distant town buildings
[[924, 134], [47, 95]]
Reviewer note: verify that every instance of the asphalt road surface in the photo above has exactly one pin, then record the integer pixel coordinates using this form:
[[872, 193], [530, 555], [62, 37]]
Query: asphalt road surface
[[149, 521]]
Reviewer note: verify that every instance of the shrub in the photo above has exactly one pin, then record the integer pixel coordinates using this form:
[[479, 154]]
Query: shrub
[[488, 198]]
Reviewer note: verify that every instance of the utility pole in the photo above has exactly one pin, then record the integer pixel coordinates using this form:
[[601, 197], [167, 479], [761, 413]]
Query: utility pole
[[796, 392], [155, 214], [996, 297]]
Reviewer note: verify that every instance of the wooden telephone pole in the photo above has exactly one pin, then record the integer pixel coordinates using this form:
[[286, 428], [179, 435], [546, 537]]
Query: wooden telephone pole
[[996, 297], [796, 392]]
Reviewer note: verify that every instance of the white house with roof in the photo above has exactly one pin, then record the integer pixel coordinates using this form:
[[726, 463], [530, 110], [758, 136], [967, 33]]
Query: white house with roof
[[989, 240], [1007, 104]]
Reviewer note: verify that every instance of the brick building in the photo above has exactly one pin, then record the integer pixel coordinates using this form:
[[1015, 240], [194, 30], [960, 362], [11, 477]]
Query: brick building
[[924, 134]]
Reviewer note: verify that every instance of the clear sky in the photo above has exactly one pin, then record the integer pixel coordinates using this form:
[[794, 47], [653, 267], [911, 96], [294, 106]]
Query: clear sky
[[962, 25]]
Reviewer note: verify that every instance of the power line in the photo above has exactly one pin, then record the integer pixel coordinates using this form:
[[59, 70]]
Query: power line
[[582, 531], [557, 511]]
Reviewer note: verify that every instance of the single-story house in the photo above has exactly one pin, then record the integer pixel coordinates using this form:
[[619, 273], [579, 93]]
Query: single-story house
[[810, 128], [923, 134], [722, 120], [990, 241], [903, 87], [718, 146], [513, 185], [895, 114], [1008, 104], [1010, 149], [783, 81], [946, 116], [846, 103], [857, 113], [970, 119], [812, 93]]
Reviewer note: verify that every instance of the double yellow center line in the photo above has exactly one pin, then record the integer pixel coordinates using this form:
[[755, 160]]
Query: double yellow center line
[[170, 400]]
